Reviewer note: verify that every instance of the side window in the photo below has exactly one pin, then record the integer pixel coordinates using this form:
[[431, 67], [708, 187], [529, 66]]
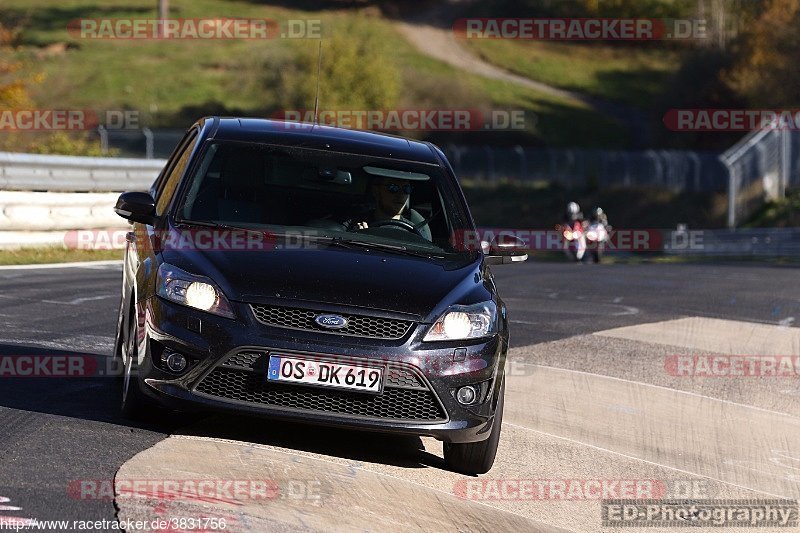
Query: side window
[[173, 176], [159, 183]]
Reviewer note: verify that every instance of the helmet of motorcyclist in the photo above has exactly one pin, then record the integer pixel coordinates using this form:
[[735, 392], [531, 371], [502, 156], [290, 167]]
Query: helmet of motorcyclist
[[596, 213], [573, 208]]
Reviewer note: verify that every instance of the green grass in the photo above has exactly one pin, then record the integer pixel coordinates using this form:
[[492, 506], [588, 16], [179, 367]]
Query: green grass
[[782, 213], [30, 256], [174, 82], [635, 76]]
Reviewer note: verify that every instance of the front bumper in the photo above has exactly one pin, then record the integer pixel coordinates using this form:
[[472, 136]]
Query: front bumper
[[420, 402]]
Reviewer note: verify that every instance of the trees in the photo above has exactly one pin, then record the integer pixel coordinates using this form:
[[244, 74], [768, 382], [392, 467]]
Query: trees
[[356, 72], [765, 70]]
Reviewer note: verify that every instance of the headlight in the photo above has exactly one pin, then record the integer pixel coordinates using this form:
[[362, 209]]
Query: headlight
[[465, 322], [179, 286]]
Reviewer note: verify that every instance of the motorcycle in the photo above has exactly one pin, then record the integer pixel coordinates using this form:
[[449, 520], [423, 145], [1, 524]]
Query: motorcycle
[[596, 237], [574, 240]]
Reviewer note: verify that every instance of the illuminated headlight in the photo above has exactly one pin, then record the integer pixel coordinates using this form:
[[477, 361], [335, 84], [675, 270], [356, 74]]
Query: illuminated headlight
[[465, 322], [568, 235], [179, 286]]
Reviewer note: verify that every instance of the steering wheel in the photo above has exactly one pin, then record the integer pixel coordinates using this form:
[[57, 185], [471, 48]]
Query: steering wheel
[[398, 223]]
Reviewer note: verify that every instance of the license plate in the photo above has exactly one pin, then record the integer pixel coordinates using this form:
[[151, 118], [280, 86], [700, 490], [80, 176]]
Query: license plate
[[325, 374]]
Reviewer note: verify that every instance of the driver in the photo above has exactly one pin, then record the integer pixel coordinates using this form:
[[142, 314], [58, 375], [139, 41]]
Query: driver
[[392, 202]]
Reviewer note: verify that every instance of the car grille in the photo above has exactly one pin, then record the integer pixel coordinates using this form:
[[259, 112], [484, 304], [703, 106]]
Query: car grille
[[357, 325], [405, 395], [246, 360]]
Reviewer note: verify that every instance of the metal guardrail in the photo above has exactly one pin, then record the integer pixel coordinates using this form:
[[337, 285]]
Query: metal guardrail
[[744, 242], [59, 173], [675, 170]]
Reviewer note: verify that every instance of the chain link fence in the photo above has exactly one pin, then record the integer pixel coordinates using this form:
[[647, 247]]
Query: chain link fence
[[676, 170], [760, 167], [672, 169]]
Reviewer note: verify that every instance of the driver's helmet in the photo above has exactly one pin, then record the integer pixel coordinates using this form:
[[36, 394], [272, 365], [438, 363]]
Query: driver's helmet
[[596, 213]]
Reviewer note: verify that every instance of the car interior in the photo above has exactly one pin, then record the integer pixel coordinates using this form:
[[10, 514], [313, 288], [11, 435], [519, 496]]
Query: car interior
[[252, 186]]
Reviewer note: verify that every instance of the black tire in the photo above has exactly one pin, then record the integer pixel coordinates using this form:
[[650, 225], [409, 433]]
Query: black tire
[[475, 458], [117, 362], [134, 403]]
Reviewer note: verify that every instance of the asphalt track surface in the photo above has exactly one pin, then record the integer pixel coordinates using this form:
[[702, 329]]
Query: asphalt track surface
[[588, 398]]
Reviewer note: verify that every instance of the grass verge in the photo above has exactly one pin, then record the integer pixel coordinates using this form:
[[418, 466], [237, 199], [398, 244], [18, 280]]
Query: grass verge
[[172, 83], [38, 256], [634, 76]]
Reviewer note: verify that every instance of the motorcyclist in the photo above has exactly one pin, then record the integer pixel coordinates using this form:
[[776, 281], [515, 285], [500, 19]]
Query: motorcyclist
[[598, 215], [573, 247], [598, 236], [573, 214]]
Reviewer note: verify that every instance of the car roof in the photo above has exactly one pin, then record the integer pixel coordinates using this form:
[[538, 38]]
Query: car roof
[[307, 135]]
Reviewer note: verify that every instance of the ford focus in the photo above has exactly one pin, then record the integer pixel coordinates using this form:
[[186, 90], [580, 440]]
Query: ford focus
[[317, 275]]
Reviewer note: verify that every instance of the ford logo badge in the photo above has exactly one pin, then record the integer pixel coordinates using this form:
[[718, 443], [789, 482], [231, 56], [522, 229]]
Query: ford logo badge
[[331, 321]]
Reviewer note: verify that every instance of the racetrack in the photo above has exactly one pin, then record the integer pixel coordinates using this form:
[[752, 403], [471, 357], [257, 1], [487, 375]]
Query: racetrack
[[590, 397]]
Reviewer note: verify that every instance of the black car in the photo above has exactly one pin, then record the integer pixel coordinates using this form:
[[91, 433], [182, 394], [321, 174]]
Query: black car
[[314, 274]]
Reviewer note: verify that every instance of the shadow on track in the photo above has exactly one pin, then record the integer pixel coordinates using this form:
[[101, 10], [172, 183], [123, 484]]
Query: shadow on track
[[397, 450], [94, 394], [31, 379]]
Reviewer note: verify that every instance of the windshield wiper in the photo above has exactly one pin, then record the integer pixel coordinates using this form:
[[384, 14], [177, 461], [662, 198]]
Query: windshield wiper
[[212, 224], [348, 243]]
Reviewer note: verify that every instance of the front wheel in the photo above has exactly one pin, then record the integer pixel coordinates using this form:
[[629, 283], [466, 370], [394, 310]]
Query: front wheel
[[134, 403], [477, 457]]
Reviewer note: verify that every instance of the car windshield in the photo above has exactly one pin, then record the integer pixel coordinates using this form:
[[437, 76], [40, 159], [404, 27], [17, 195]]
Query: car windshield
[[350, 198]]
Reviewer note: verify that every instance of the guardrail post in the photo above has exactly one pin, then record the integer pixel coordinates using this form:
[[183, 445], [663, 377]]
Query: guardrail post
[[523, 171], [786, 162], [148, 143], [103, 132], [732, 192], [490, 162]]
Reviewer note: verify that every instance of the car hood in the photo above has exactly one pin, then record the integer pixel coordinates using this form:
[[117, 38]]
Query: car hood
[[332, 275]]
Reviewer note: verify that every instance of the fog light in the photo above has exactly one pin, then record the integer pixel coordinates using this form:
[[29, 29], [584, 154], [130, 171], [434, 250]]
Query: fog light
[[176, 362], [467, 395]]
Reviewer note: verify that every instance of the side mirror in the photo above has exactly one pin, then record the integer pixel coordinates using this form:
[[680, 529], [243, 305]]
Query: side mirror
[[136, 207], [505, 249]]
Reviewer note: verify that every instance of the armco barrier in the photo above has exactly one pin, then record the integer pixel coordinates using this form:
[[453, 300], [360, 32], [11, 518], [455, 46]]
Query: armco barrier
[[744, 242], [47, 211], [60, 173], [43, 196]]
